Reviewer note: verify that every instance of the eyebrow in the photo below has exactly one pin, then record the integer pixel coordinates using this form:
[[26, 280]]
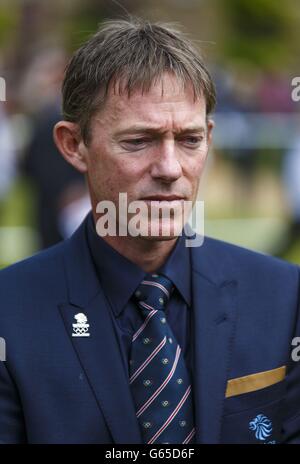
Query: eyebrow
[[138, 129]]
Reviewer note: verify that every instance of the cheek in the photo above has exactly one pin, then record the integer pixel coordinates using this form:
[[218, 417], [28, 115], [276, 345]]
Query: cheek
[[192, 172], [130, 171], [111, 177], [102, 178], [195, 167]]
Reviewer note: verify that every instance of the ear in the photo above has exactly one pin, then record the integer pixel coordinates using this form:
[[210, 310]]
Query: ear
[[68, 140], [210, 126]]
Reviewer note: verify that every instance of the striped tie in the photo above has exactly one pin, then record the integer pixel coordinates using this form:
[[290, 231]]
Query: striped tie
[[159, 379]]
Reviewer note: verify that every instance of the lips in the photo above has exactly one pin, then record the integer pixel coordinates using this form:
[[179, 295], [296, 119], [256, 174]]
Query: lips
[[163, 198]]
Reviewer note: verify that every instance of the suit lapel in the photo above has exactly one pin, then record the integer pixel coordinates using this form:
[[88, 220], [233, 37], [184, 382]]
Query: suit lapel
[[214, 313], [99, 354]]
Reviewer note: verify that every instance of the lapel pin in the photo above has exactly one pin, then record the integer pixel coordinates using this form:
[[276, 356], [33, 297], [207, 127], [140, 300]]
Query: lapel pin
[[262, 426], [80, 327]]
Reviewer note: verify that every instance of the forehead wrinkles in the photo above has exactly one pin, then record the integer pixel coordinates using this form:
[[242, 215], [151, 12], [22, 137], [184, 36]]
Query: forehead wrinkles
[[142, 109], [166, 102]]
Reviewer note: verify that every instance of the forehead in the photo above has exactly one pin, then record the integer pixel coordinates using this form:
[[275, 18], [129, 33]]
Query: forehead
[[167, 102]]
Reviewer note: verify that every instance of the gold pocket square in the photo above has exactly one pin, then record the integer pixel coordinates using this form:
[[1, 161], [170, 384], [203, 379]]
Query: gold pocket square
[[254, 382]]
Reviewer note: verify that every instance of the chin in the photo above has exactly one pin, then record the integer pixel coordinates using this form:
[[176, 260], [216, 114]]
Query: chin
[[166, 231]]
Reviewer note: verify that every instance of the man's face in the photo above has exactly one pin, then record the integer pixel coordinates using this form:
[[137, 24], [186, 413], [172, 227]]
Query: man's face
[[153, 146]]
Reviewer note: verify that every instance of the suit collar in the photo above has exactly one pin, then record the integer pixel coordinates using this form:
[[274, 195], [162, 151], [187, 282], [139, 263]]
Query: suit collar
[[82, 280]]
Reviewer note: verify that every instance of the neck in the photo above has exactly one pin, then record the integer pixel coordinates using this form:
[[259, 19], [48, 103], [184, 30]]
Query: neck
[[148, 254]]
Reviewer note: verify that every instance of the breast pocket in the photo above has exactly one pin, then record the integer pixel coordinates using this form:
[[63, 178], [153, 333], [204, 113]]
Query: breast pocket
[[254, 417]]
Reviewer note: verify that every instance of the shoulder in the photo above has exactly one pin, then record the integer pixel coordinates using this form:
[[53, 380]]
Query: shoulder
[[32, 274], [240, 263], [245, 256], [37, 261]]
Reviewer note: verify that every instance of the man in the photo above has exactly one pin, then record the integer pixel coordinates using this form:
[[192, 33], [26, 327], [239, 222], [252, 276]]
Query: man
[[136, 337]]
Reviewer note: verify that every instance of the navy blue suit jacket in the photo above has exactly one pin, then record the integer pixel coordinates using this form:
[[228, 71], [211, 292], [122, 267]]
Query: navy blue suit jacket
[[56, 388]]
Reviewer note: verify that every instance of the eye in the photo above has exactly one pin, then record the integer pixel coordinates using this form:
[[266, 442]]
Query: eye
[[135, 144], [192, 141]]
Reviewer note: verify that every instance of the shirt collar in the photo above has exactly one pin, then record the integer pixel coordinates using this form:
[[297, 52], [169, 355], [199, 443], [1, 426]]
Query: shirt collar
[[120, 277], [178, 269]]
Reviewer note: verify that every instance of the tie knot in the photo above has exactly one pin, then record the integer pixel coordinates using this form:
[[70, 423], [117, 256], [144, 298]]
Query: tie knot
[[154, 291]]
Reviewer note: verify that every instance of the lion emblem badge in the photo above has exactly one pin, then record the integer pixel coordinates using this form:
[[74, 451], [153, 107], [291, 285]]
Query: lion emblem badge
[[262, 427]]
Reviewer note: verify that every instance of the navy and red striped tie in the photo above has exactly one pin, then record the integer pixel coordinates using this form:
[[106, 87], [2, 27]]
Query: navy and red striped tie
[[159, 379]]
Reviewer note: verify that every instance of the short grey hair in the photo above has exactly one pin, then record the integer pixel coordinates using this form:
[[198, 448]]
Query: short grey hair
[[134, 54]]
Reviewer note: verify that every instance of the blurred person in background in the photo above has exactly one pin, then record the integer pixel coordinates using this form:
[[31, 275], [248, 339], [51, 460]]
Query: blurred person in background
[[291, 183], [59, 188], [274, 98], [8, 161], [273, 94], [8, 145], [236, 101]]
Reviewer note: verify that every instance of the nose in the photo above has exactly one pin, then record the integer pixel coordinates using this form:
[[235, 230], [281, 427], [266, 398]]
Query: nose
[[166, 165]]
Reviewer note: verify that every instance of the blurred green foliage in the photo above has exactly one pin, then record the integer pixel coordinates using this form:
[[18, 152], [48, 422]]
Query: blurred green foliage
[[9, 18], [259, 30]]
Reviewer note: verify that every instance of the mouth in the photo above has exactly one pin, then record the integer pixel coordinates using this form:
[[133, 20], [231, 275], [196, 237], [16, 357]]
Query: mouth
[[163, 198]]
